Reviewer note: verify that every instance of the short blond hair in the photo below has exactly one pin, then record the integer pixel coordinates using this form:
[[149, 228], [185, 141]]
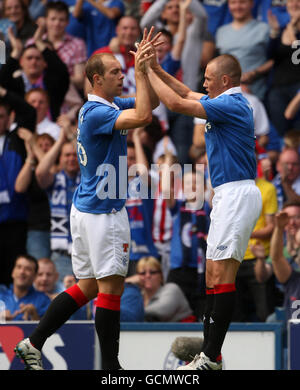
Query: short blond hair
[[150, 261]]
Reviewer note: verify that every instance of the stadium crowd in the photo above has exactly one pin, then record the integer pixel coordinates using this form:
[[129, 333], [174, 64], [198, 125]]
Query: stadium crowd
[[43, 86]]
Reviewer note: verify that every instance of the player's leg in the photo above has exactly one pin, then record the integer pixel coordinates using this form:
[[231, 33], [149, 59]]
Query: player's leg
[[107, 319], [224, 275], [62, 308], [58, 312], [66, 303], [109, 251], [209, 300]]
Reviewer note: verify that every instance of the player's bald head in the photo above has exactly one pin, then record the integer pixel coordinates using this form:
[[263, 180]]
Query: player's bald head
[[96, 65], [228, 65]]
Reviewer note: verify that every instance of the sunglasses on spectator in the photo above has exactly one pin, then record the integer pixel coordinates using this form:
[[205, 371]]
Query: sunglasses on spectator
[[151, 272]]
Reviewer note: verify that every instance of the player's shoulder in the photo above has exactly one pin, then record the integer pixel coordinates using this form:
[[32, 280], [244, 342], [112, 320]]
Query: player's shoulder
[[93, 106]]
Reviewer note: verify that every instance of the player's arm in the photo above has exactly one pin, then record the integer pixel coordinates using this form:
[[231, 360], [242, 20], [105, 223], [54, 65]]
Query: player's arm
[[177, 86], [176, 96], [148, 56], [141, 114]]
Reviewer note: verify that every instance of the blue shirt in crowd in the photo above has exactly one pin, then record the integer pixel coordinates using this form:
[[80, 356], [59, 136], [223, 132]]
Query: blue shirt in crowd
[[40, 300]]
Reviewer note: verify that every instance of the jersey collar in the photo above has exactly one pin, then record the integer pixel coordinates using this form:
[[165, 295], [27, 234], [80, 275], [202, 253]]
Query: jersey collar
[[96, 98], [231, 91]]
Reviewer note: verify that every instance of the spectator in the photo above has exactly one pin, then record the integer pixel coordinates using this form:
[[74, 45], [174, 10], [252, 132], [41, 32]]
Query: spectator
[[60, 187], [190, 227], [46, 279], [286, 75], [22, 114], [168, 12], [247, 40], [13, 206], [21, 300], [139, 206], [132, 304], [260, 116], [255, 301], [99, 19], [133, 7], [17, 12], [70, 49], [218, 15], [284, 258], [127, 34], [292, 140], [162, 302], [277, 8], [38, 223], [36, 9], [169, 54], [5, 25], [39, 99], [293, 108], [75, 26], [287, 180], [162, 219], [35, 66]]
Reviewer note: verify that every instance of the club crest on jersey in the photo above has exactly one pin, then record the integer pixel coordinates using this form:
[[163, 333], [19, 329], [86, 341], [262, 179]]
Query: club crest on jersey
[[207, 127]]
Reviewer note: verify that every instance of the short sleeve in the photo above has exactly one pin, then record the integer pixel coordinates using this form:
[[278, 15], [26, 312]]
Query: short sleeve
[[101, 119]]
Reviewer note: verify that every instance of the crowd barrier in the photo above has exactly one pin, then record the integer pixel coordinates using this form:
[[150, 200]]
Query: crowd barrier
[[147, 346]]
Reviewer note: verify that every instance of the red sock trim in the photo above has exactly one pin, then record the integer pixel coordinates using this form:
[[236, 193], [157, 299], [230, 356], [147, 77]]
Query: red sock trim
[[224, 288], [210, 290], [77, 295], [219, 358], [109, 301]]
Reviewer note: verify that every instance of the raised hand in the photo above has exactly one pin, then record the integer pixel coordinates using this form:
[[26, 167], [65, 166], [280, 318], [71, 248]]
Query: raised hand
[[258, 250], [273, 21], [146, 50], [184, 4], [281, 219], [15, 43]]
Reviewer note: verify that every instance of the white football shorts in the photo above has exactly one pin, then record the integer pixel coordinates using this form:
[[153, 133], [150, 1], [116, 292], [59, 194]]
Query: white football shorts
[[101, 244], [236, 206]]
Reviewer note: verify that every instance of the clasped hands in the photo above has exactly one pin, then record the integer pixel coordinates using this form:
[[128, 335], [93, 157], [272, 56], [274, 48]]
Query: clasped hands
[[145, 55]]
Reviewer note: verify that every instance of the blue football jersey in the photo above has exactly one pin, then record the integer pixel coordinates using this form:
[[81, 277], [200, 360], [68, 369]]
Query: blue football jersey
[[102, 153], [229, 137]]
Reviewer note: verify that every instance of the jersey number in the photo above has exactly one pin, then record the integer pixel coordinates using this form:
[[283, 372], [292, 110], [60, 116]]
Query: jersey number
[[82, 154]]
